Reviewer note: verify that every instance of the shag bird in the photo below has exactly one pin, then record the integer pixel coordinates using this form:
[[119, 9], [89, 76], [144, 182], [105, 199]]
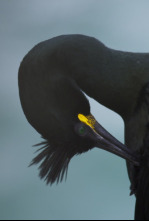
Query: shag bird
[[53, 80]]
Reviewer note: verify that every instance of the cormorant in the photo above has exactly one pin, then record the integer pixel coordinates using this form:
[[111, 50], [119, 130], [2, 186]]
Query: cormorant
[[53, 78]]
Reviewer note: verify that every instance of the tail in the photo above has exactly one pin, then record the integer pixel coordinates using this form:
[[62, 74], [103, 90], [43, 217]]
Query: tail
[[142, 194]]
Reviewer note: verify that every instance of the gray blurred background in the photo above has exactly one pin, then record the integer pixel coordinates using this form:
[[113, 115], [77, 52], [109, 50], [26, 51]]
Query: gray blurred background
[[97, 186]]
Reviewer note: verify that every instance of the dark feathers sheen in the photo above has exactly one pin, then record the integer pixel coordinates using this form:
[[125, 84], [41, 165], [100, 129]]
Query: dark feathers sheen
[[54, 162]]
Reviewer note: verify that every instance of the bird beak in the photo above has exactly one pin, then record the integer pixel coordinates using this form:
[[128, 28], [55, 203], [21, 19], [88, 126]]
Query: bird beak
[[104, 140]]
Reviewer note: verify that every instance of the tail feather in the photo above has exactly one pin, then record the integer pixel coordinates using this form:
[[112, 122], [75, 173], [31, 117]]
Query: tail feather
[[142, 195]]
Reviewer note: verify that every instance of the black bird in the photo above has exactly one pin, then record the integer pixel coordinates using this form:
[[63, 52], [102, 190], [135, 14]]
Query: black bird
[[53, 77]]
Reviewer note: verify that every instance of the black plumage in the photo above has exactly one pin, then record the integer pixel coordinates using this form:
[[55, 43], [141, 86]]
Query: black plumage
[[53, 77]]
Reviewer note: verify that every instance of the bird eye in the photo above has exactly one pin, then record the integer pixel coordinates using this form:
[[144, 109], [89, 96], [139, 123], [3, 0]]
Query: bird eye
[[82, 130]]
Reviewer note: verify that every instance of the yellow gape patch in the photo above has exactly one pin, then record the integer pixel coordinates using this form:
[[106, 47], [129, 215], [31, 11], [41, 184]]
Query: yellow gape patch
[[88, 120]]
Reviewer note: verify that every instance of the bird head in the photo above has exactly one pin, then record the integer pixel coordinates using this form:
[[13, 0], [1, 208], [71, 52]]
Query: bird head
[[60, 112]]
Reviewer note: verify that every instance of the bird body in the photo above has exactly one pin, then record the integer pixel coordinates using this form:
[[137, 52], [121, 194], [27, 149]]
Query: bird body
[[53, 78]]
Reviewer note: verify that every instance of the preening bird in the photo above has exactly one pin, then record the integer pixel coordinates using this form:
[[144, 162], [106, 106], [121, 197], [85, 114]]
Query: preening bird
[[53, 80]]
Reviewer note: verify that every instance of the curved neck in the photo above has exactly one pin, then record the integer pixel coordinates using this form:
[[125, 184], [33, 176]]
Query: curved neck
[[128, 73], [115, 79]]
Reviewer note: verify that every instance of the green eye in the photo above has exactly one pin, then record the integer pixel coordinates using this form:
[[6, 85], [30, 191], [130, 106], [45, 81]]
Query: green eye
[[82, 130]]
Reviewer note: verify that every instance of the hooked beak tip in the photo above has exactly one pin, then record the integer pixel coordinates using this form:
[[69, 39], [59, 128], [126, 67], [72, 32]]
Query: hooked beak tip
[[106, 141]]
